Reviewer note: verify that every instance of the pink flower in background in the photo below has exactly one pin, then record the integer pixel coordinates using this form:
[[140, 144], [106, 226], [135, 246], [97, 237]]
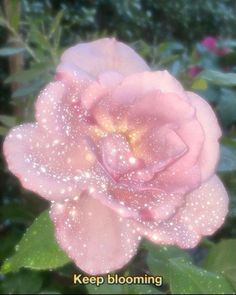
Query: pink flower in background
[[122, 153], [210, 43], [194, 70], [222, 51]]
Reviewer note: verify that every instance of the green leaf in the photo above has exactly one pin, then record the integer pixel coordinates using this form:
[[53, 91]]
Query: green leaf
[[16, 213], [13, 13], [222, 258], [228, 59], [227, 159], [28, 75], [3, 22], [227, 106], [8, 121], [105, 289], [163, 47], [199, 84], [56, 23], [211, 94], [38, 248], [122, 289], [186, 278], [228, 43], [219, 78], [158, 258], [144, 289], [28, 89], [7, 51], [3, 131], [23, 282], [168, 59], [11, 238]]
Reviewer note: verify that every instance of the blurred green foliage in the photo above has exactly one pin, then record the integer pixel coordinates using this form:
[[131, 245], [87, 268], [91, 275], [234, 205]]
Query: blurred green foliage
[[167, 34], [138, 19]]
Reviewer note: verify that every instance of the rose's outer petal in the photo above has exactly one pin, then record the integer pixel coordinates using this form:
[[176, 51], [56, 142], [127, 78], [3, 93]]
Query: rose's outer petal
[[184, 174], [206, 207], [210, 151], [171, 232], [59, 109], [52, 168], [203, 213], [70, 72], [93, 235], [102, 55], [47, 105]]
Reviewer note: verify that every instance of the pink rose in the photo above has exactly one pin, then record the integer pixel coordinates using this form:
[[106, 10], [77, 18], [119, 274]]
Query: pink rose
[[122, 153]]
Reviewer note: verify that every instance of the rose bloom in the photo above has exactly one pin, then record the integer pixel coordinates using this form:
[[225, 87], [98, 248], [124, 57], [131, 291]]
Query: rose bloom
[[121, 152]]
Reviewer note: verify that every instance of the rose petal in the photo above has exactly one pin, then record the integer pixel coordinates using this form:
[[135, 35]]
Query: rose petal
[[110, 117], [94, 236], [70, 73], [143, 204], [110, 79], [210, 151], [184, 174], [117, 156], [206, 207], [138, 85], [53, 168], [107, 81], [92, 94], [104, 55], [163, 107], [203, 213], [59, 110], [159, 147], [171, 232]]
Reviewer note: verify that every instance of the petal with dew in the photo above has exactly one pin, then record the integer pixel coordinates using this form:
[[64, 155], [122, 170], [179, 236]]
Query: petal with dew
[[117, 156], [53, 168], [206, 207], [70, 73], [143, 204], [59, 110], [93, 235], [203, 213], [170, 232]]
